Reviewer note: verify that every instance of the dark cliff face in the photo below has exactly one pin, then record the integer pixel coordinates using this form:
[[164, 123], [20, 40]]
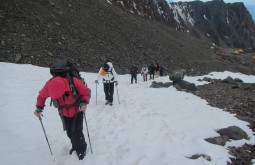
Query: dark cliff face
[[224, 24], [228, 25]]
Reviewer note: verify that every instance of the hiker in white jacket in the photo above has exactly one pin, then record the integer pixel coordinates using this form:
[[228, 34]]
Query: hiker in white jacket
[[109, 77], [144, 73]]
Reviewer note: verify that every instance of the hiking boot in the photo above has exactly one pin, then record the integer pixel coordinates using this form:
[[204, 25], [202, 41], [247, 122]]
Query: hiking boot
[[71, 151], [110, 103], [80, 154], [107, 102]]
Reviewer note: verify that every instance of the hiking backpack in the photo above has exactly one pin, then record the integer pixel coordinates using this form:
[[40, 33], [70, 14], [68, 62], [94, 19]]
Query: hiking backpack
[[134, 71], [64, 68]]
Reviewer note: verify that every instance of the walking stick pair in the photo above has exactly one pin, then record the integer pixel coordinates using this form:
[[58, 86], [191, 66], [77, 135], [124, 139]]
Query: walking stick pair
[[48, 140]]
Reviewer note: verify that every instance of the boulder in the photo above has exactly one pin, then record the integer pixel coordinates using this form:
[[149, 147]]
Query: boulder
[[157, 85], [196, 156], [167, 84], [229, 80], [233, 132], [177, 75], [220, 140], [18, 58], [184, 85], [160, 84]]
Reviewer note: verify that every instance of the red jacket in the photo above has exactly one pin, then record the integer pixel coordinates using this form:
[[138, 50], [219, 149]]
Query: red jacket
[[59, 86]]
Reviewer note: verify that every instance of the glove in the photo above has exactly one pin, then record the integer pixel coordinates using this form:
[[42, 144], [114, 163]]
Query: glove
[[116, 82], [38, 112], [83, 106], [96, 81]]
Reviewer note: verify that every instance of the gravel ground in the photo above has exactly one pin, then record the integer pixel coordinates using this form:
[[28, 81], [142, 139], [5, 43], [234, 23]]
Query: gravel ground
[[239, 101]]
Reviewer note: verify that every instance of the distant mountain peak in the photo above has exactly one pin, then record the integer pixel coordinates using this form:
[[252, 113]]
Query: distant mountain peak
[[224, 24]]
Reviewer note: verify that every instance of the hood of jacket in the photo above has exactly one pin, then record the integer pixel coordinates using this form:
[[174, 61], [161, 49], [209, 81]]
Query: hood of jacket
[[110, 64]]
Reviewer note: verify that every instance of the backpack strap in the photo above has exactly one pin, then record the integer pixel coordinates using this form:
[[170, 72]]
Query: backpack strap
[[71, 85]]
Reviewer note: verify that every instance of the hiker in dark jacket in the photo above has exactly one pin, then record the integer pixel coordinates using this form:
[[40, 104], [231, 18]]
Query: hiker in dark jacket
[[133, 72], [152, 71], [109, 76], [71, 109]]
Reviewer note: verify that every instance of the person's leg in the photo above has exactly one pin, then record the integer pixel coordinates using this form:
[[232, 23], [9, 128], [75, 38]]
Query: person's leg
[[106, 91], [77, 137], [67, 126], [135, 77], [132, 78], [156, 74], [111, 92]]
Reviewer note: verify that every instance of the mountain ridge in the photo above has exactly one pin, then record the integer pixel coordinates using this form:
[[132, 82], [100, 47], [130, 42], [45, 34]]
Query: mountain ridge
[[220, 23]]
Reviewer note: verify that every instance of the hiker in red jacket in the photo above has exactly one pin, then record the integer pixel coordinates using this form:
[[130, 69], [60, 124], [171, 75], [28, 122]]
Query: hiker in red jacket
[[70, 108]]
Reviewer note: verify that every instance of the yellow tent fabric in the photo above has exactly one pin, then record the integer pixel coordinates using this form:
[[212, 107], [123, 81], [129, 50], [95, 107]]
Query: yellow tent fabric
[[240, 50], [236, 52]]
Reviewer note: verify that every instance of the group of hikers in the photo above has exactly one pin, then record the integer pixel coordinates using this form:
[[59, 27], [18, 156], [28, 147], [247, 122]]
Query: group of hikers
[[154, 70], [70, 95]]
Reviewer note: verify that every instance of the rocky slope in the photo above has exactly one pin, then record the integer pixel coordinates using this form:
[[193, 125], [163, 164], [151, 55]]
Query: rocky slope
[[223, 24], [89, 32]]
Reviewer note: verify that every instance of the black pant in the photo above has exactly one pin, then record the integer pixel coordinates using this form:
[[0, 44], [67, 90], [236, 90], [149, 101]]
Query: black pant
[[133, 77], [74, 127], [152, 75], [109, 90]]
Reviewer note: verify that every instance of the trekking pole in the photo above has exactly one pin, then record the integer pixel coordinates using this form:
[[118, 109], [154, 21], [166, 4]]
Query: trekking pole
[[45, 134], [88, 132], [96, 93], [118, 94]]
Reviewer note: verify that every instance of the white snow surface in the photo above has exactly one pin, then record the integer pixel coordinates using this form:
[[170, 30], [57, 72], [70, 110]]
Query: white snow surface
[[148, 127]]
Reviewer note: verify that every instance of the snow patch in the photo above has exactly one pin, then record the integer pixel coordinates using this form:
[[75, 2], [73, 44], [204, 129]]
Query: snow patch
[[205, 17], [162, 123], [183, 12]]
